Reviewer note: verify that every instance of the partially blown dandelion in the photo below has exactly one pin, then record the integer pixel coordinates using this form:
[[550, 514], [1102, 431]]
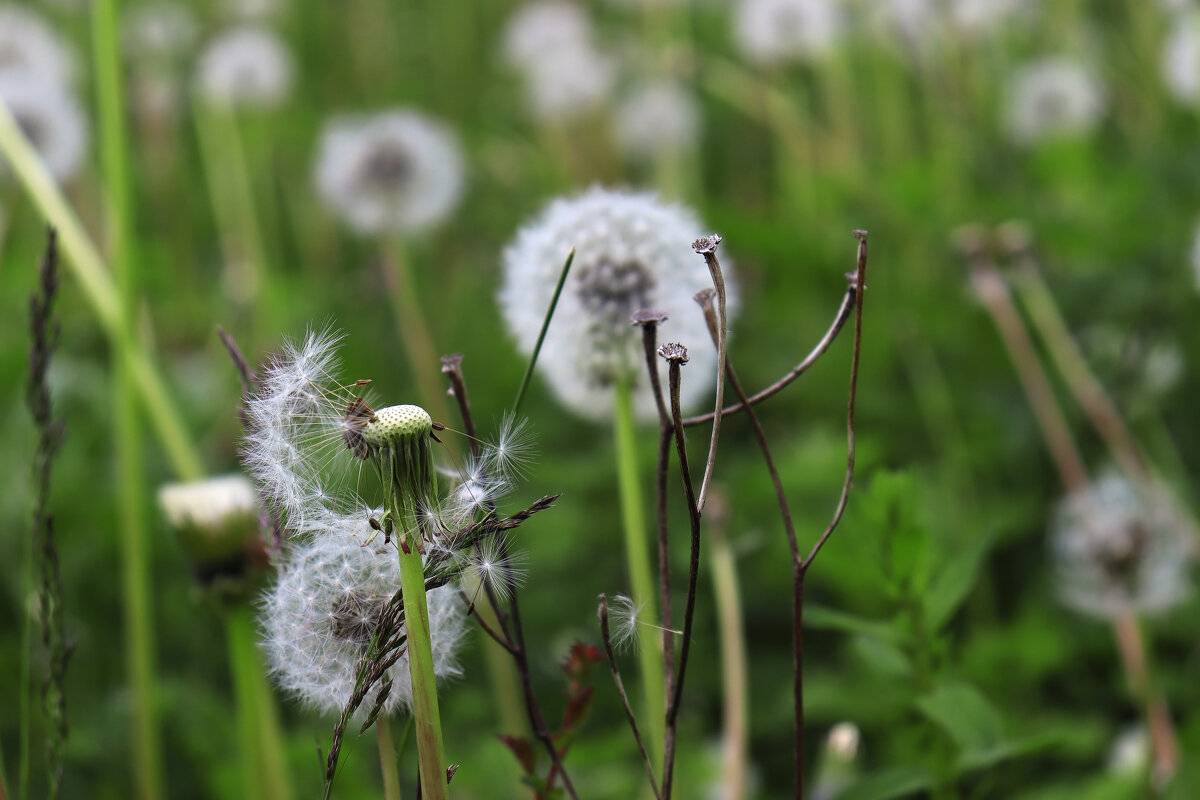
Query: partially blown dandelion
[[777, 31], [247, 67], [633, 252]]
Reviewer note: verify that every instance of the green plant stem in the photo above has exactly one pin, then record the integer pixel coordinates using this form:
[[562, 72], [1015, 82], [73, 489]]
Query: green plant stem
[[637, 555], [733, 667], [387, 758], [264, 768], [131, 471], [414, 330], [100, 292], [23, 687], [430, 750]]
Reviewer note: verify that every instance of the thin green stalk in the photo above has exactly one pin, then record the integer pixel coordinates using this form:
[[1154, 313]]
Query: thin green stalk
[[100, 292], [234, 208], [431, 754], [131, 471], [537, 348], [414, 330], [274, 760], [387, 758], [733, 667], [23, 687], [637, 554], [239, 635]]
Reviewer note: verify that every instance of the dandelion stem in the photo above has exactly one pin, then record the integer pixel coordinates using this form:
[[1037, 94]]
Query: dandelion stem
[[638, 562], [387, 758], [430, 749], [733, 665], [413, 327], [239, 632], [537, 348], [707, 247]]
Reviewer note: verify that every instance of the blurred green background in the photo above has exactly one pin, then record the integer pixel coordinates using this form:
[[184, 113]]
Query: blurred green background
[[899, 127]]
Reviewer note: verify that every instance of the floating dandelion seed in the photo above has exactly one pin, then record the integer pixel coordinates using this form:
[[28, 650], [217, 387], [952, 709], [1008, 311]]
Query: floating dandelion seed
[[50, 118], [776, 31], [657, 118], [395, 171], [245, 67], [623, 613], [30, 47], [1053, 97], [321, 613], [633, 252], [1120, 548], [494, 568]]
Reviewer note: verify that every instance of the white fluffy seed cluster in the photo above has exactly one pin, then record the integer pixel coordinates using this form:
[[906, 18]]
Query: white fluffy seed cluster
[[778, 31], [1181, 58], [1053, 97], [552, 44], [36, 69], [633, 252], [320, 615], [1120, 548], [208, 504], [657, 117], [158, 31], [247, 66], [399, 171]]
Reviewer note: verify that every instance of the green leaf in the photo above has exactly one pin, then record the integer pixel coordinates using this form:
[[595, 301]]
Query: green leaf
[[965, 715], [895, 782], [825, 618], [882, 657], [892, 504], [953, 582], [979, 758]]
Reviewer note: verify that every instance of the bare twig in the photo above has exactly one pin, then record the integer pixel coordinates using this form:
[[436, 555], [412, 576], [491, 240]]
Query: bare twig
[[676, 356], [859, 286], [244, 370], [602, 612], [707, 247], [497, 638], [843, 314]]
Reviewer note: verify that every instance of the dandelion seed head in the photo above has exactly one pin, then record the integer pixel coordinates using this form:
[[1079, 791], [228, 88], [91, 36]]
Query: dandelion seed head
[[30, 47], [399, 170], [1053, 97], [208, 503], [50, 117], [540, 29], [1181, 58], [632, 252], [322, 611], [245, 67], [1119, 547], [975, 18], [568, 84], [777, 31], [159, 31], [657, 118]]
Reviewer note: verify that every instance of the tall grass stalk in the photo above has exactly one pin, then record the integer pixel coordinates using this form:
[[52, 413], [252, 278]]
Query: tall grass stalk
[[100, 292], [264, 771], [734, 744], [413, 328], [131, 471], [637, 555], [387, 758]]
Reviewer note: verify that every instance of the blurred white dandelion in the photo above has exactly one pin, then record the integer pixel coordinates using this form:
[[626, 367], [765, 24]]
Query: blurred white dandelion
[[1181, 58], [916, 23], [633, 252], [540, 28], [1130, 752], [319, 617], [775, 31], [1120, 548], [247, 67], [28, 45], [161, 32], [50, 117], [399, 171], [658, 117], [252, 10], [209, 503], [975, 18], [1053, 97]]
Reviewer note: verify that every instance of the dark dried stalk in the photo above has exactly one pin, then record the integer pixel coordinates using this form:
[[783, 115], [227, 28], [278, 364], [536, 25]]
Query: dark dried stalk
[[44, 332], [843, 314], [602, 612], [452, 368], [707, 247], [676, 356]]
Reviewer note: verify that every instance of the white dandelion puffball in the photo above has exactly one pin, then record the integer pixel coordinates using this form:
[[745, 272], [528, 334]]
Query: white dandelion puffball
[[1053, 97], [29, 46], [539, 29], [982, 17], [209, 503], [159, 31], [319, 616], [252, 9], [1181, 59], [395, 171], [775, 31], [633, 252], [569, 84], [246, 67], [1119, 547], [915, 22], [50, 117], [656, 118]]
